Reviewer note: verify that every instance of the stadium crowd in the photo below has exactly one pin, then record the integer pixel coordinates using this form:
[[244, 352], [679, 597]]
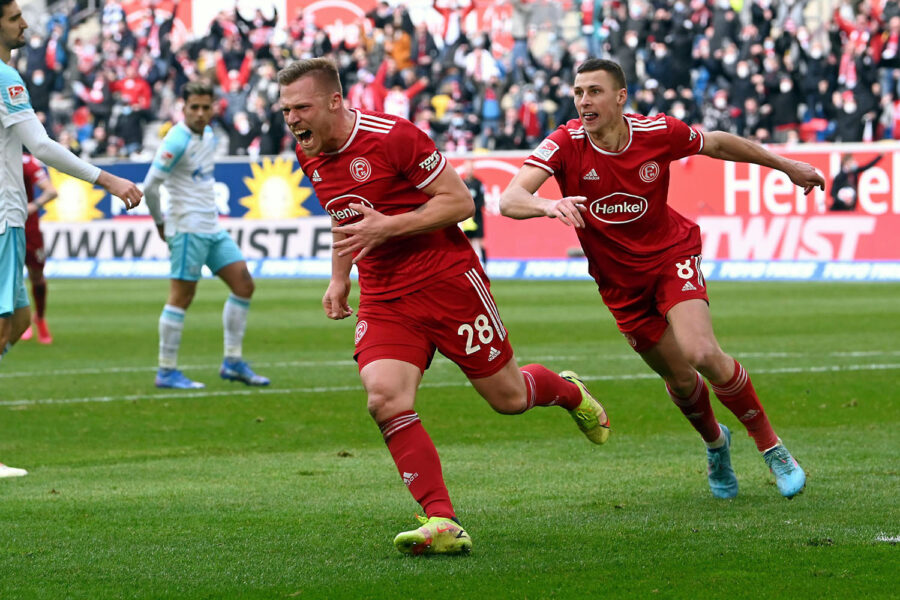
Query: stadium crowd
[[757, 68]]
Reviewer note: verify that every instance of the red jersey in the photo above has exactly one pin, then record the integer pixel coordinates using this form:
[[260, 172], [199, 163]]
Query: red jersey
[[629, 226], [33, 173], [385, 164]]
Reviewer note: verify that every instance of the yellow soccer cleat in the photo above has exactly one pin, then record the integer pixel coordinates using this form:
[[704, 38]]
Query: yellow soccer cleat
[[437, 535], [590, 416]]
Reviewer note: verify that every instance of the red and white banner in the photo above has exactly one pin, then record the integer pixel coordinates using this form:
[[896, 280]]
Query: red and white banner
[[746, 212]]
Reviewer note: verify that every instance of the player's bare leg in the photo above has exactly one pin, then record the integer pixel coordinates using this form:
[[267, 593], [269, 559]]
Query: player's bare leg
[[12, 327], [171, 325], [512, 390], [391, 395], [234, 324]]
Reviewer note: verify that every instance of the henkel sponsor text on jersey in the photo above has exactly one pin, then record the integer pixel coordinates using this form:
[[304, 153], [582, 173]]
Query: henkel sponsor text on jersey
[[386, 164]]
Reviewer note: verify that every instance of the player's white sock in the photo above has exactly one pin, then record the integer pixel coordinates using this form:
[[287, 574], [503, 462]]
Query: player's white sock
[[720, 441], [234, 321], [171, 324]]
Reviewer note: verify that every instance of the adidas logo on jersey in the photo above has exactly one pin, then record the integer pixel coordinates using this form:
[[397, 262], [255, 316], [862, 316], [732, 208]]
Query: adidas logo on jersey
[[688, 287], [591, 175], [315, 177], [493, 354]]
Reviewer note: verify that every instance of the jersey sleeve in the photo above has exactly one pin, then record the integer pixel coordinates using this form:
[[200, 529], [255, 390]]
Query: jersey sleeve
[[171, 150], [33, 172], [414, 154], [15, 104], [547, 155], [683, 139]]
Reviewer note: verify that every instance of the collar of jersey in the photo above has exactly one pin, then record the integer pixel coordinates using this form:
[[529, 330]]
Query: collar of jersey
[[607, 152]]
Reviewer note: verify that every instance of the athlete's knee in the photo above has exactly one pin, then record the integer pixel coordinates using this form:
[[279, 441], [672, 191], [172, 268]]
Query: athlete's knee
[[682, 384], [704, 355], [245, 288], [385, 401]]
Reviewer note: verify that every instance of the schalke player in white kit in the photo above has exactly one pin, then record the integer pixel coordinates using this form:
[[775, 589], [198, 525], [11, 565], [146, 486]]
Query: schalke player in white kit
[[184, 162], [19, 125]]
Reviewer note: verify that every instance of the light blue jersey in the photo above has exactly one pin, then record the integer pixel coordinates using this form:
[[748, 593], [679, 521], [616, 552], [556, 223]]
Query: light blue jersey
[[15, 106], [184, 163]]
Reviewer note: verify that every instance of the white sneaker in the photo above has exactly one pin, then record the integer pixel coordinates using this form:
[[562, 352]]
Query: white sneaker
[[11, 471]]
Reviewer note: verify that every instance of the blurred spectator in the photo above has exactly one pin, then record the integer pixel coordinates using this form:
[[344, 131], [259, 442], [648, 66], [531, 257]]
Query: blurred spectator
[[844, 186]]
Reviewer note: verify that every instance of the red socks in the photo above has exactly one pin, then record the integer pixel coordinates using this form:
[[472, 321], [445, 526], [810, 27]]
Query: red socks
[[40, 299], [543, 387], [698, 411], [418, 463], [738, 396]]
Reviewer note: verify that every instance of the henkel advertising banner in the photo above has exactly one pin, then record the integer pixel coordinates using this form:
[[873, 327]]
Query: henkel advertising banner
[[746, 212]]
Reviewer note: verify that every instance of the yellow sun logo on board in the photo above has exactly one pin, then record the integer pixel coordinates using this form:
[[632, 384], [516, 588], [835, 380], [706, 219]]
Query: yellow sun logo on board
[[77, 201], [275, 191]]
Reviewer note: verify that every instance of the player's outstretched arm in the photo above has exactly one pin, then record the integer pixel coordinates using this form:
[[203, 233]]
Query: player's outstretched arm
[[725, 146], [520, 201], [32, 134]]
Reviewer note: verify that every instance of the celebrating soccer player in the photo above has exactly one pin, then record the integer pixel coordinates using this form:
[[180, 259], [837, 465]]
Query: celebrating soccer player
[[395, 204], [19, 125], [184, 163], [613, 170]]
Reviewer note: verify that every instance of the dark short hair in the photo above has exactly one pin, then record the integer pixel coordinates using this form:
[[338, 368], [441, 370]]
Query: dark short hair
[[194, 88], [602, 64], [323, 69], [3, 4]]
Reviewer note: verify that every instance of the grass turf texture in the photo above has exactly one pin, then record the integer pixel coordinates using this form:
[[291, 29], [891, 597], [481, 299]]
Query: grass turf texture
[[288, 491]]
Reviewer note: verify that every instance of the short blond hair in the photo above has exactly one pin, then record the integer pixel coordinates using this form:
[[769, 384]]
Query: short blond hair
[[323, 69]]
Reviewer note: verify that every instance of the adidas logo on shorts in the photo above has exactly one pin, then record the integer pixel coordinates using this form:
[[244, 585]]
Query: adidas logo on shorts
[[493, 354], [688, 287]]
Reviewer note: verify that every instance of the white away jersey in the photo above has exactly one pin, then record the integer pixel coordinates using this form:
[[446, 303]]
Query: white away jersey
[[186, 161], [15, 106]]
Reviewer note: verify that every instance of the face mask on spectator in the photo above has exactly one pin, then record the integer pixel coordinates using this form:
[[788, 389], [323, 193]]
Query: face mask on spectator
[[730, 58], [850, 107], [631, 42], [720, 103], [679, 113], [816, 53], [660, 52], [35, 42], [785, 87], [743, 72]]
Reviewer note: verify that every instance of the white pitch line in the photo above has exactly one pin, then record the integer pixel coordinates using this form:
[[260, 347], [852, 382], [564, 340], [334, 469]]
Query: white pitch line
[[426, 385], [438, 360]]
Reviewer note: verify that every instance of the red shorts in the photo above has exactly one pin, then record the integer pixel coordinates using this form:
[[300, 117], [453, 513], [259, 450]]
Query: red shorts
[[35, 256], [456, 316], [640, 310]]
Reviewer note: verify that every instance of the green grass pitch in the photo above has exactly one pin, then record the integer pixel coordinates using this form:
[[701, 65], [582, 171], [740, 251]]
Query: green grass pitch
[[288, 492]]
